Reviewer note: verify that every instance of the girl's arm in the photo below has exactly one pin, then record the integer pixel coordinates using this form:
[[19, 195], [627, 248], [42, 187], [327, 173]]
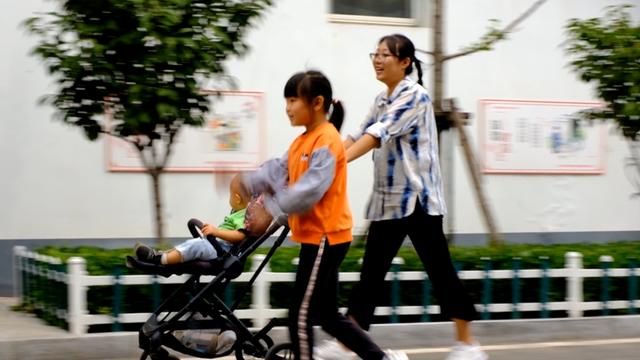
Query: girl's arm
[[309, 189], [271, 176]]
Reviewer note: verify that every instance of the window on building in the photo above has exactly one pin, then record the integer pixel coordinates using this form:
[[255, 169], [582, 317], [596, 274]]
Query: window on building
[[382, 8], [386, 12]]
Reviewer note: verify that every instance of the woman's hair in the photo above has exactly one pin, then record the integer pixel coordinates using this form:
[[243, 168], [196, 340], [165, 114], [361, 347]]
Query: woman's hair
[[400, 46], [310, 84]]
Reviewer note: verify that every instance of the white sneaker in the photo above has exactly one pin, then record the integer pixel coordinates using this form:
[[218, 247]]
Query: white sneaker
[[333, 350], [462, 351], [395, 355]]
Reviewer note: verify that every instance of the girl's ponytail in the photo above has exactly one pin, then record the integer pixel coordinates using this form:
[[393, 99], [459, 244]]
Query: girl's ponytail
[[337, 114]]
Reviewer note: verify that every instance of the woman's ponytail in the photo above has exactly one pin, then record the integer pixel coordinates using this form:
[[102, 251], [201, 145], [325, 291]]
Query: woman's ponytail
[[419, 68]]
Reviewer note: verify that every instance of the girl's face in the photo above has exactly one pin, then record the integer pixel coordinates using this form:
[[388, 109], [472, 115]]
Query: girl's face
[[299, 111], [389, 69]]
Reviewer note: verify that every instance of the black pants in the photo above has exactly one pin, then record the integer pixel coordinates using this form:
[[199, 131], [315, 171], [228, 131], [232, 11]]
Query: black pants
[[315, 301], [383, 242]]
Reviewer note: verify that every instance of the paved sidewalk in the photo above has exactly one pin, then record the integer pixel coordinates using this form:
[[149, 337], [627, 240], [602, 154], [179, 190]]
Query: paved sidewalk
[[23, 336], [16, 325]]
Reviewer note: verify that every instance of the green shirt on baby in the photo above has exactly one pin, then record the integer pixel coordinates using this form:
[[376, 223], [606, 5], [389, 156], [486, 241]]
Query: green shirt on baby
[[234, 221]]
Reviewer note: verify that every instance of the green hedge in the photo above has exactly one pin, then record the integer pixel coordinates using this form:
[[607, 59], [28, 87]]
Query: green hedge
[[103, 261]]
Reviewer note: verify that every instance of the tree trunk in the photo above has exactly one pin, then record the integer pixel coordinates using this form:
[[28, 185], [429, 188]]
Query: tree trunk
[[634, 163], [438, 71], [495, 238], [157, 205]]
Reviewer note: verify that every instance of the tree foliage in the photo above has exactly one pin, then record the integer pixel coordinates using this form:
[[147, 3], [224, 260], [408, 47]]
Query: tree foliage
[[606, 51], [142, 62]]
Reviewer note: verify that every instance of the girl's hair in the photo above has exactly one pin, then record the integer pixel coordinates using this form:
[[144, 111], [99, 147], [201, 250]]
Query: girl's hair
[[400, 46], [310, 84]]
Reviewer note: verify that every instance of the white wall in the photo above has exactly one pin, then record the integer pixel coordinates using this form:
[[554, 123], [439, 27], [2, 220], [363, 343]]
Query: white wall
[[54, 183]]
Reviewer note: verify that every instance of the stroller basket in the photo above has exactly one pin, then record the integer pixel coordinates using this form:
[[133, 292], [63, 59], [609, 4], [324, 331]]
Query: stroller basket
[[196, 310]]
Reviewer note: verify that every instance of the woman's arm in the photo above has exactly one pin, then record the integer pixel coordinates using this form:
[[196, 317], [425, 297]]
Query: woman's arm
[[361, 146]]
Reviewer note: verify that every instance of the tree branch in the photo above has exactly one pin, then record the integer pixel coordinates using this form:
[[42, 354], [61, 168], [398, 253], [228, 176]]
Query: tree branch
[[494, 35], [430, 53]]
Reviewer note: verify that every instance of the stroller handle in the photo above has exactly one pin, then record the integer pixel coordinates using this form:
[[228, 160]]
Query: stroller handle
[[195, 226]]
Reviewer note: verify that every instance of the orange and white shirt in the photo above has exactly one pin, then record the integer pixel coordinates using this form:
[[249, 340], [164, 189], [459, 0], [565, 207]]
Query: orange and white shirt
[[309, 183]]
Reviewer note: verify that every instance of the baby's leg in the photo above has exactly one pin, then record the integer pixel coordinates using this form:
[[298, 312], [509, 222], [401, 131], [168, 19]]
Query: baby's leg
[[193, 249], [171, 257]]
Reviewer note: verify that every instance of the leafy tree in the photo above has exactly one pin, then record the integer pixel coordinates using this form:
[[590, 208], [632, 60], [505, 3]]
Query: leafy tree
[[142, 62], [606, 52]]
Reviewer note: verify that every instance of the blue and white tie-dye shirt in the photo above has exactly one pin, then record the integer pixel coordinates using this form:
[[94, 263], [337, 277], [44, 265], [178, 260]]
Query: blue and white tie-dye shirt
[[406, 165]]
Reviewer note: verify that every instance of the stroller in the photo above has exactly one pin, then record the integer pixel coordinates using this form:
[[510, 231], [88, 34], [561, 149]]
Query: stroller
[[201, 308]]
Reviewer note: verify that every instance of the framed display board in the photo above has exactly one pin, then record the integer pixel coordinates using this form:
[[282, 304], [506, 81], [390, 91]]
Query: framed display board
[[232, 138], [540, 137]]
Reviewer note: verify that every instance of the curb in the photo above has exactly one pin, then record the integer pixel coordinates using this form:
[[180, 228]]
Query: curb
[[400, 336]]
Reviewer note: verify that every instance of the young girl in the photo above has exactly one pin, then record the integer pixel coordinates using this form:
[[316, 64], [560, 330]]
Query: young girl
[[309, 183]]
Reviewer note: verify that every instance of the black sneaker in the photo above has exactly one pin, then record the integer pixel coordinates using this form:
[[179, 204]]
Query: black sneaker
[[147, 254]]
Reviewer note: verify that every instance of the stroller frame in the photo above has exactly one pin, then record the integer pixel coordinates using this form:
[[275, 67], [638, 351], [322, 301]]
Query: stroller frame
[[156, 332]]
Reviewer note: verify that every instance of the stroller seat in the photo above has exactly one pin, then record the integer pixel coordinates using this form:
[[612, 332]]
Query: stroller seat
[[197, 267], [232, 261], [197, 305]]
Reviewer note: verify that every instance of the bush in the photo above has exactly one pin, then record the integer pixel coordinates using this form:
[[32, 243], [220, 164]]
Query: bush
[[104, 262]]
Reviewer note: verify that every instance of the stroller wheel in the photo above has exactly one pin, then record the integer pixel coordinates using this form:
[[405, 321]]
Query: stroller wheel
[[249, 348], [163, 354], [282, 351]]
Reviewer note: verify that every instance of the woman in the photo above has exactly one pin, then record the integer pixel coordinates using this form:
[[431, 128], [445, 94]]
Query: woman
[[407, 197]]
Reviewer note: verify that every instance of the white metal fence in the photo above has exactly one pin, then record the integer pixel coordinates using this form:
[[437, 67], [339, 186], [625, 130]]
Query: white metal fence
[[74, 276]]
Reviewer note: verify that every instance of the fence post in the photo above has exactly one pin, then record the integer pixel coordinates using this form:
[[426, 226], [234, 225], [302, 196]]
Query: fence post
[[544, 288], [486, 291], [18, 252], [77, 294], [426, 297], [26, 280], [395, 288], [515, 289], [633, 286], [573, 264], [156, 292], [117, 299], [260, 294], [605, 263]]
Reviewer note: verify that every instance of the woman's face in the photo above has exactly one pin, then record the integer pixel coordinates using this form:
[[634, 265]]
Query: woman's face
[[389, 69]]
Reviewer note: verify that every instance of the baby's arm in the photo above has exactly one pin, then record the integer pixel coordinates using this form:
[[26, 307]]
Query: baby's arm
[[232, 236]]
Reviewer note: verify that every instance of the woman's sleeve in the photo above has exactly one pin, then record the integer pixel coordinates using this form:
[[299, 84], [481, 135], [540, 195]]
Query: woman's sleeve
[[400, 117], [369, 120], [311, 187]]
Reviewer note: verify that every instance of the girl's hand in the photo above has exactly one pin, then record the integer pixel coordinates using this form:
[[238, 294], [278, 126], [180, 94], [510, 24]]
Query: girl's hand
[[208, 229]]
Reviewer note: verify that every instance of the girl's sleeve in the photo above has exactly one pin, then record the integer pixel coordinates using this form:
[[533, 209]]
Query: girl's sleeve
[[311, 186], [400, 117], [270, 177]]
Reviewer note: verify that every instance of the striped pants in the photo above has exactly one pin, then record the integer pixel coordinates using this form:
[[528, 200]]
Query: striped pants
[[315, 301]]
